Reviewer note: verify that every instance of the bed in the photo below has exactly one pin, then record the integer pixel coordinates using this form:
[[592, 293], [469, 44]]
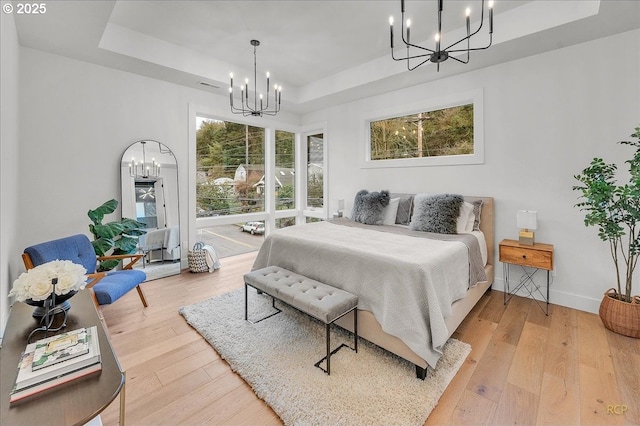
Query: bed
[[414, 290], [161, 244]]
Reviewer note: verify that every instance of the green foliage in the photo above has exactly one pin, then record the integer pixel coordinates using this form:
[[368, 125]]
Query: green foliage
[[285, 198], [315, 190], [216, 199], [615, 210], [116, 237], [223, 146], [447, 131]]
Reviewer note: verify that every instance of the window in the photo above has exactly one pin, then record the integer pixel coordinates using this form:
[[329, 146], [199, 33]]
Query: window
[[447, 131], [444, 131], [285, 170], [315, 170], [229, 168]]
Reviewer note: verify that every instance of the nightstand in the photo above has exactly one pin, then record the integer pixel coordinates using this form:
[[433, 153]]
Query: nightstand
[[535, 257]]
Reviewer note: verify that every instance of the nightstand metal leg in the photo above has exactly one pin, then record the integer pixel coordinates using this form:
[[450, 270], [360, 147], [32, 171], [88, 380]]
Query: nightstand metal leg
[[528, 284]]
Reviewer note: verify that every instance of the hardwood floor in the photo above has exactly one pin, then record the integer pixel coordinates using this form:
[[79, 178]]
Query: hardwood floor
[[524, 368]]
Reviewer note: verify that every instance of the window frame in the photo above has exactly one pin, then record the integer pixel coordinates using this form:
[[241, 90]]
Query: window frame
[[309, 211], [474, 97]]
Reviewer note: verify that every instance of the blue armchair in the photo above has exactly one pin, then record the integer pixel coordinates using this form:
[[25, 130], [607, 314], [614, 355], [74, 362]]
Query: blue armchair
[[107, 286]]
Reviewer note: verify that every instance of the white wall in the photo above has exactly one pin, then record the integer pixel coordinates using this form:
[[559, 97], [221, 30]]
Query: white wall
[[9, 79], [77, 120], [545, 118]]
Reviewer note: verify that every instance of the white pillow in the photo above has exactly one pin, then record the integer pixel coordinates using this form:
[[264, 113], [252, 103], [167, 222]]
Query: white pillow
[[466, 215], [390, 212], [470, 223]]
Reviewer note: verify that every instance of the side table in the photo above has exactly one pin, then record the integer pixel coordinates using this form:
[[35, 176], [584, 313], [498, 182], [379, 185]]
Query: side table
[[536, 257], [74, 403]]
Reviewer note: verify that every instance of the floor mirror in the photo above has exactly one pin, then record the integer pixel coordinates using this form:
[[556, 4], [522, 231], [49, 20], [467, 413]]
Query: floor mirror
[[149, 175]]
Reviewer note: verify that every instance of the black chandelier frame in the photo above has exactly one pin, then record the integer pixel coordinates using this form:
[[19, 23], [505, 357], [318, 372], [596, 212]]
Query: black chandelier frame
[[439, 55], [246, 109]]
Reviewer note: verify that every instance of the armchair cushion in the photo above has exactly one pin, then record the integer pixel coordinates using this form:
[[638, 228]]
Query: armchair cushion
[[116, 284]]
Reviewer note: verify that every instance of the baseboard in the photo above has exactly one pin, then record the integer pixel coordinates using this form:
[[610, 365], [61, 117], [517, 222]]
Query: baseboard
[[559, 297]]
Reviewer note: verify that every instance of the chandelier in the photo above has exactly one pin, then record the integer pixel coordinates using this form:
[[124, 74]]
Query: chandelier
[[259, 107], [144, 169], [437, 55]]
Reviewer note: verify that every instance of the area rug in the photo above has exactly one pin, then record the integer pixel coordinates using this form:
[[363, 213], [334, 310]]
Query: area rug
[[276, 358]]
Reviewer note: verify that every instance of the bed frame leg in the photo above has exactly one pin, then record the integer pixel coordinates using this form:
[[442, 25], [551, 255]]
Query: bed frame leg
[[421, 373]]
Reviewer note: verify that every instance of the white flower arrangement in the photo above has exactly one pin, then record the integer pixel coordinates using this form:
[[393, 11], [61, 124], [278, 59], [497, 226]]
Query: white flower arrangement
[[35, 284]]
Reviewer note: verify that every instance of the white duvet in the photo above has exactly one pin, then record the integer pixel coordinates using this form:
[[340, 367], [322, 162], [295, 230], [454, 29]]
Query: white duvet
[[408, 283]]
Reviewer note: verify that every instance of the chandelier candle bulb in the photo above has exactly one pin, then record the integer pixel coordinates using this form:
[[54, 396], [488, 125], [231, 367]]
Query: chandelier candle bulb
[[408, 31], [491, 17], [391, 29]]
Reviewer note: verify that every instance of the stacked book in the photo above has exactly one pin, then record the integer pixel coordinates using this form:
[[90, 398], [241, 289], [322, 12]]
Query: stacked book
[[56, 360]]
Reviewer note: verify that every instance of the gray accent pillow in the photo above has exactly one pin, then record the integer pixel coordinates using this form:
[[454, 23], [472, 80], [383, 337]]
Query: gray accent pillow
[[405, 206], [368, 208], [436, 213]]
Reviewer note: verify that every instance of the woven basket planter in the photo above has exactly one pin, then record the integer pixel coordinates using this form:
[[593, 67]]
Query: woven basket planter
[[619, 316]]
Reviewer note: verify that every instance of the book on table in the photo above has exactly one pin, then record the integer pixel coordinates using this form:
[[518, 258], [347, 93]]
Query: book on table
[[60, 348], [17, 395], [30, 381]]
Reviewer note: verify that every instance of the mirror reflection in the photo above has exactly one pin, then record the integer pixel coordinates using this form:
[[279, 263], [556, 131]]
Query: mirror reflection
[[149, 173]]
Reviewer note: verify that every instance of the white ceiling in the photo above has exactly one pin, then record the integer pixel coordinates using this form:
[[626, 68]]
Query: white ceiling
[[322, 52]]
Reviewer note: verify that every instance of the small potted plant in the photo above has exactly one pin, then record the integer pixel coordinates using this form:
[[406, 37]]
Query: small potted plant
[[615, 210]]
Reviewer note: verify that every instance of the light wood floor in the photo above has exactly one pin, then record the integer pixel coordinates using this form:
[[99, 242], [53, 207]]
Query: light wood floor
[[525, 368]]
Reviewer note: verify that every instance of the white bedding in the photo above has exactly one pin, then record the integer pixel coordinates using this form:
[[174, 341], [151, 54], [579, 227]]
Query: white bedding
[[482, 242], [407, 283]]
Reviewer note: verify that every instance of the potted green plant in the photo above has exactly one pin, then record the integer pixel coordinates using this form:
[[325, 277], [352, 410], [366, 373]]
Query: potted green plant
[[615, 210], [114, 238]]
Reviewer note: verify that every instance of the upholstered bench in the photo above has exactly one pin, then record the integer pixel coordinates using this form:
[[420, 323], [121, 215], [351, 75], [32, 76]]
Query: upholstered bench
[[318, 300]]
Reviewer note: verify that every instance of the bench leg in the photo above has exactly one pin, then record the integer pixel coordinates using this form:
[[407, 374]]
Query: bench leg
[[246, 309], [328, 341], [355, 328], [328, 349]]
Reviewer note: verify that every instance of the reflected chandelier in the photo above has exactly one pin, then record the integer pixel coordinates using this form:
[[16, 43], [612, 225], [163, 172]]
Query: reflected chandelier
[[259, 108], [438, 55], [144, 169]]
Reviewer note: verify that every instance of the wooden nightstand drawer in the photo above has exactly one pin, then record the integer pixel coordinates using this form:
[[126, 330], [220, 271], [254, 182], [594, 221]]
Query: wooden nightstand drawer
[[536, 256]]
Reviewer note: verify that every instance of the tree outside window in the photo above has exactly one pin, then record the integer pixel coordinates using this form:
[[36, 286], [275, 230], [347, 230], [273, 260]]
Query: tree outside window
[[229, 168], [442, 132]]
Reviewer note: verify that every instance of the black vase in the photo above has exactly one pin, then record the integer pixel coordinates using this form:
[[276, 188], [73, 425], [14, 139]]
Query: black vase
[[62, 304]]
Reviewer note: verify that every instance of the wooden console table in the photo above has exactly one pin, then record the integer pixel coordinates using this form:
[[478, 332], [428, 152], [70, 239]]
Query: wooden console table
[[74, 403]]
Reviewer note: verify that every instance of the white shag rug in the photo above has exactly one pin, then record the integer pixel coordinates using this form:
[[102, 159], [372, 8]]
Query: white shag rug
[[276, 358]]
